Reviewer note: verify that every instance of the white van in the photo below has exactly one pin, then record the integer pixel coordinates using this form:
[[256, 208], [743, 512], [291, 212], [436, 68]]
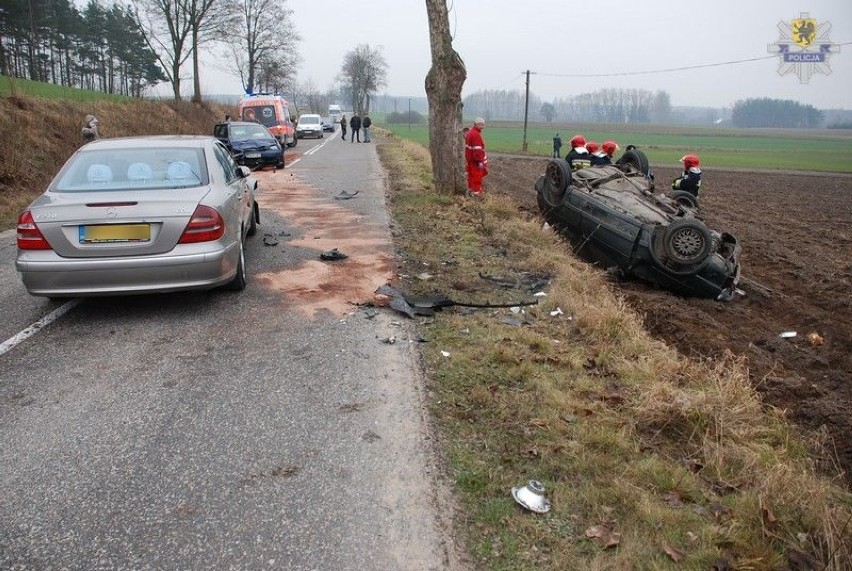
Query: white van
[[309, 125]]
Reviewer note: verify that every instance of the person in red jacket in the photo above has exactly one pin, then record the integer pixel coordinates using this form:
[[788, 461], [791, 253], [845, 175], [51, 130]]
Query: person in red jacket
[[475, 158]]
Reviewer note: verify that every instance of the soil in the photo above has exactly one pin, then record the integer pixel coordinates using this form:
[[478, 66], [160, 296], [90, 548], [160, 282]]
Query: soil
[[796, 234]]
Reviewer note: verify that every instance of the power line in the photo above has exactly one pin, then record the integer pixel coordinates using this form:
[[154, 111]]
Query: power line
[[667, 70]]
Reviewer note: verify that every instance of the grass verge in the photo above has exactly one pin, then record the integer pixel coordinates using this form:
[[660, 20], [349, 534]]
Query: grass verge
[[651, 461]]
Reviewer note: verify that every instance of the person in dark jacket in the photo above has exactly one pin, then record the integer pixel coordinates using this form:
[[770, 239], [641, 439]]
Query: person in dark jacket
[[355, 125], [343, 127], [557, 146], [690, 180], [596, 155], [366, 123], [578, 157]]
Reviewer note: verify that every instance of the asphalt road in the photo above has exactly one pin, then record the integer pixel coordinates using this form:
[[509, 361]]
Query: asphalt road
[[220, 430]]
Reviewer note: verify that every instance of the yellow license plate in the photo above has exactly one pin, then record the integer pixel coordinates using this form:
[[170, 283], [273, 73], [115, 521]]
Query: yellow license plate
[[115, 233]]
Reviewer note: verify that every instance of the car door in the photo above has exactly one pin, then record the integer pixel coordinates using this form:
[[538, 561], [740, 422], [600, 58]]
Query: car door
[[241, 197]]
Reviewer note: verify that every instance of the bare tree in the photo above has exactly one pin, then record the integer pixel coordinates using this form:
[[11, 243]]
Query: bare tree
[[166, 26], [363, 73], [264, 35], [208, 20], [443, 89]]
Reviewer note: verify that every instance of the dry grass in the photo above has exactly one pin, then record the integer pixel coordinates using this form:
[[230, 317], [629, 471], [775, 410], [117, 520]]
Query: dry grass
[[41, 134], [680, 458]]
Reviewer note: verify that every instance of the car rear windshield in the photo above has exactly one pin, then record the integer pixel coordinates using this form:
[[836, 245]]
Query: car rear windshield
[[309, 120], [105, 169]]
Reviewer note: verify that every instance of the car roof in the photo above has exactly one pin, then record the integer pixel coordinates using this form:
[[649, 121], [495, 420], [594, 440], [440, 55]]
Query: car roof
[[308, 115], [151, 140]]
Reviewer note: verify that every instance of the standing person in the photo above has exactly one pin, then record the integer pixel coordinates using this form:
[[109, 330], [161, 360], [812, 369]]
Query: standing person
[[476, 159], [90, 129], [609, 148], [596, 155], [343, 127], [557, 146], [690, 180], [355, 125], [366, 124], [578, 157]]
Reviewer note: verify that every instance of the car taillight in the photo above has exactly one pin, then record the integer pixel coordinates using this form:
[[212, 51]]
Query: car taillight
[[205, 225], [29, 236]]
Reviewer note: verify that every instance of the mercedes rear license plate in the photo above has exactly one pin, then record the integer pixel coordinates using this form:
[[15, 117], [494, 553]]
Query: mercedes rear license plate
[[115, 233]]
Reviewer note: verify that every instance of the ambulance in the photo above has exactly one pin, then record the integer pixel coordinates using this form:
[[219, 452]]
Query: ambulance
[[271, 111]]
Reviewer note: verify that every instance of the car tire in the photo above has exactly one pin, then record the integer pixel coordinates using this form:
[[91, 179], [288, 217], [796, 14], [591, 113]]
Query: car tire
[[637, 159], [293, 142], [239, 281], [684, 198], [687, 242], [255, 218], [557, 180]]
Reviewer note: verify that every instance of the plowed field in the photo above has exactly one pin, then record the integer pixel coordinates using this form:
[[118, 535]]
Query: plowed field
[[796, 233]]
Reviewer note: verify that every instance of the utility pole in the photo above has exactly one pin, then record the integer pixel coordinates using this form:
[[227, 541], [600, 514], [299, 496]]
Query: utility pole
[[526, 111]]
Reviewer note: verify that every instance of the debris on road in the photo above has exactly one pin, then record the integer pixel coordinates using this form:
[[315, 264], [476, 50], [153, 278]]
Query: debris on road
[[332, 255], [345, 195], [270, 240], [427, 305]]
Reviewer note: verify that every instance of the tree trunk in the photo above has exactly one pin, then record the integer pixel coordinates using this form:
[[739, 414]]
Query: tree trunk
[[196, 82], [443, 89]]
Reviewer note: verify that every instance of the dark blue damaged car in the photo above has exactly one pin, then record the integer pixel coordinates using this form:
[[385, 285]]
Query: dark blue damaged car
[[613, 217], [251, 144]]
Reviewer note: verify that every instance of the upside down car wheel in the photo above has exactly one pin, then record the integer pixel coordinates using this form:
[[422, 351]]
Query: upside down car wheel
[[687, 241], [684, 198], [637, 159], [557, 179]]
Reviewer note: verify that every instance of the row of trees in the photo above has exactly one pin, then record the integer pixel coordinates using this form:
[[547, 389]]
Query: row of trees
[[775, 113], [604, 106], [128, 48], [96, 48]]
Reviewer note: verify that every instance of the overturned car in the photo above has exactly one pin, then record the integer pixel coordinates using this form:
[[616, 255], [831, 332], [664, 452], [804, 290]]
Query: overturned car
[[613, 217]]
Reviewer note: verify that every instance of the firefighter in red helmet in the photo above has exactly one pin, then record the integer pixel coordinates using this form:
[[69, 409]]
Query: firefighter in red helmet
[[609, 148], [578, 157], [690, 180]]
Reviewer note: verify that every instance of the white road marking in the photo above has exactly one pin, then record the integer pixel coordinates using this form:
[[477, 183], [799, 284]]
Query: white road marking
[[313, 150], [13, 341]]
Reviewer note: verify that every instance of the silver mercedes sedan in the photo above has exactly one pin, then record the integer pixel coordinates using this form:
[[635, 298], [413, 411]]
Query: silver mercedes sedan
[[139, 215]]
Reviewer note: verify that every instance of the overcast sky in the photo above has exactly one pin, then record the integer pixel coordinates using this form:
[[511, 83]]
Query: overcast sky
[[560, 40]]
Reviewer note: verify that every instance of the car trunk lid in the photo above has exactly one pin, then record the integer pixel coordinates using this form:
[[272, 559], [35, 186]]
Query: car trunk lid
[[109, 224]]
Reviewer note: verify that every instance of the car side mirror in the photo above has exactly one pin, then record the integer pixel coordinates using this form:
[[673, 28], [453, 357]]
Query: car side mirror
[[244, 172]]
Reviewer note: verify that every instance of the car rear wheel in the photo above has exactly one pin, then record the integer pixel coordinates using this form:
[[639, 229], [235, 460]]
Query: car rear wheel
[[684, 198], [239, 281], [557, 179], [637, 159], [687, 242]]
